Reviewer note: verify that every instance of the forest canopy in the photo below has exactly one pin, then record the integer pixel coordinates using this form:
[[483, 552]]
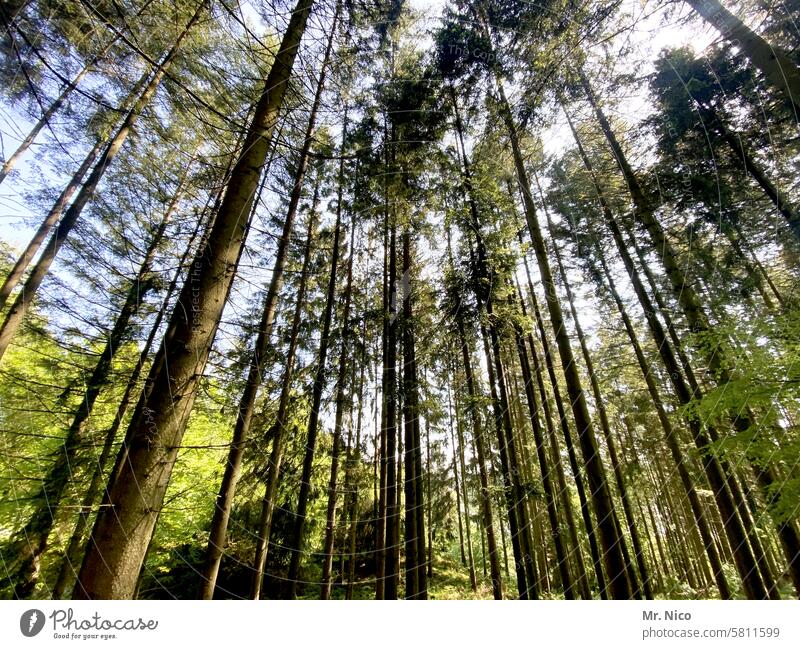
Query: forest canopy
[[353, 299]]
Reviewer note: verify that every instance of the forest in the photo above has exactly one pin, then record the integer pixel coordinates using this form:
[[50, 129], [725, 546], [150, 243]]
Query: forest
[[386, 299]]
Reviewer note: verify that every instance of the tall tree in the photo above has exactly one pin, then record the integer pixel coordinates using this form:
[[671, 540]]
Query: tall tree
[[16, 313], [120, 539], [241, 432]]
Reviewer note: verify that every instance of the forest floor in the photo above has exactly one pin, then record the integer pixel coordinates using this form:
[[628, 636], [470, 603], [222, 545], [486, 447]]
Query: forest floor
[[450, 581]]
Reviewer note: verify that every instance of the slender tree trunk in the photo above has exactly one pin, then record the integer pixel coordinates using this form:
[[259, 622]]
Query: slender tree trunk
[[583, 582], [354, 460], [544, 465], [409, 491], [399, 489], [319, 385], [671, 439], [330, 520], [381, 518], [52, 109], [32, 538], [718, 481], [16, 313], [415, 568], [480, 453], [429, 497], [707, 342], [520, 533], [604, 426], [571, 455], [508, 471], [276, 453], [246, 408], [70, 563], [754, 266], [15, 276], [54, 215], [744, 157], [456, 480], [465, 492], [598, 484], [123, 531]]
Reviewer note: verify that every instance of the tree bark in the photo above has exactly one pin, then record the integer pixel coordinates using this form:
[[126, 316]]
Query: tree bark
[[34, 535], [16, 313], [123, 531], [330, 520], [598, 485], [52, 109], [414, 487], [15, 276], [246, 408], [70, 563], [473, 397], [712, 351], [319, 385], [718, 481], [276, 453]]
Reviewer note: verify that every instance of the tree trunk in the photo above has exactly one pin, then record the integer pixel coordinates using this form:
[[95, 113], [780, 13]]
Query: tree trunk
[[16, 313], [381, 518], [415, 568], [52, 109], [70, 563], [460, 464], [456, 480], [571, 455], [478, 438], [429, 497], [671, 439], [24, 260], [517, 518], [246, 408], [598, 485], [33, 537], [544, 464], [319, 385], [276, 453], [354, 459], [604, 426], [697, 319], [718, 481], [54, 215], [743, 155], [123, 531], [330, 520]]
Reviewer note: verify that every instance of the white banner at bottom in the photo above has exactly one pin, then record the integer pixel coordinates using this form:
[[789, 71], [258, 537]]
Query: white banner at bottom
[[398, 625]]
